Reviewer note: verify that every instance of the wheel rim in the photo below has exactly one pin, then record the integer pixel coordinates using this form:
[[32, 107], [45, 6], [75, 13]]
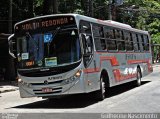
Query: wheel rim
[[103, 90], [138, 78]]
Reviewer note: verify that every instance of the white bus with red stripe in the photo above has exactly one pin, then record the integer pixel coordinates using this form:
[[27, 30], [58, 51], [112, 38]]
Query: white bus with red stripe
[[68, 54]]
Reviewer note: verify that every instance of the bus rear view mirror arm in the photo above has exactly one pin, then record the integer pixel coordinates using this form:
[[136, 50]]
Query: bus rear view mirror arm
[[87, 54], [10, 43]]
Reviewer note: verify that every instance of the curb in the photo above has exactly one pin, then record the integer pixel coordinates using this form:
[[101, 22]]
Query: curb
[[8, 89], [155, 65]]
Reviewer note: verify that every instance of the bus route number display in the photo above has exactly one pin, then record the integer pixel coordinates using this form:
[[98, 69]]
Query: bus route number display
[[44, 23]]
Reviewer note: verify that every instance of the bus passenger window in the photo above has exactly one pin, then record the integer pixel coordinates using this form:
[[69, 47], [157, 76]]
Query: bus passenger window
[[111, 34], [111, 45], [98, 31], [120, 40], [118, 34], [128, 41], [140, 42], [135, 43], [106, 32], [97, 44], [146, 42]]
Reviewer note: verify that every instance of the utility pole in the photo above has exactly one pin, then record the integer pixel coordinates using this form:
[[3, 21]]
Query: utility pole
[[10, 17], [110, 10], [88, 7], [91, 8], [55, 6]]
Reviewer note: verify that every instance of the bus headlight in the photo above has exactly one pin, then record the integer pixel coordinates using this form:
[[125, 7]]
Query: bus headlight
[[73, 78], [78, 73], [19, 80], [24, 83]]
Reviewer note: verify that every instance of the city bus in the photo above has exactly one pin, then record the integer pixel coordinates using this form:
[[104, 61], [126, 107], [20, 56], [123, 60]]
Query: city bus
[[65, 54]]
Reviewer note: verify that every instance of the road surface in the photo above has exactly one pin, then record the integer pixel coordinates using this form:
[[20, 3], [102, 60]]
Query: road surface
[[121, 99]]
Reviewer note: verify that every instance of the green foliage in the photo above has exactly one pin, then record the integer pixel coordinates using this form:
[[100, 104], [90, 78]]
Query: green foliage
[[38, 3], [142, 14], [154, 26], [156, 38]]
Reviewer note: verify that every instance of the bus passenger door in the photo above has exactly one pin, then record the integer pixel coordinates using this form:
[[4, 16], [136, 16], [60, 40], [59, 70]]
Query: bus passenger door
[[87, 42], [88, 62]]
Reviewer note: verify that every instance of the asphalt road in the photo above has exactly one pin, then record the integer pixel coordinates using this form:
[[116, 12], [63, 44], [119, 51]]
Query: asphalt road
[[121, 99]]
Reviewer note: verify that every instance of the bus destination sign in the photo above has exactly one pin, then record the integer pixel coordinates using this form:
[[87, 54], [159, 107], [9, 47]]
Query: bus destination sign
[[46, 22]]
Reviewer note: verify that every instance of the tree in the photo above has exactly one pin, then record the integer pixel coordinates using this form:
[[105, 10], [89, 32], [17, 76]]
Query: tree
[[50, 7]]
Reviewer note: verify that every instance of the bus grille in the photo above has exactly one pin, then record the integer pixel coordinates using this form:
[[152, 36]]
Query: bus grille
[[54, 91], [55, 82]]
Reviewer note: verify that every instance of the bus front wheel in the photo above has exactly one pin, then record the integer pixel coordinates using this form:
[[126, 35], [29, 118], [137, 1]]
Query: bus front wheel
[[100, 94]]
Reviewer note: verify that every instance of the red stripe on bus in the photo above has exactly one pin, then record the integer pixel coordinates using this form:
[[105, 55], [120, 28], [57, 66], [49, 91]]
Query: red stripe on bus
[[137, 61], [112, 59], [106, 52], [150, 68], [119, 77], [91, 70], [117, 74]]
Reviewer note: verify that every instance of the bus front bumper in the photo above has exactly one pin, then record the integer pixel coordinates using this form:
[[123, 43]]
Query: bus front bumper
[[49, 90]]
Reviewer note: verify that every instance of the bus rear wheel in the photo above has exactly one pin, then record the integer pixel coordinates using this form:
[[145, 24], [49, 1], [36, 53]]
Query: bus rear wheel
[[138, 81], [100, 94]]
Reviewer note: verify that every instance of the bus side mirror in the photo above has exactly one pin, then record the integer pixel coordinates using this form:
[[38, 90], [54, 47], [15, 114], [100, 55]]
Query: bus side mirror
[[11, 43]]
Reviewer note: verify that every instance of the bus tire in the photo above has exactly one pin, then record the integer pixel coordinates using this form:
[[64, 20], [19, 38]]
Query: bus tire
[[138, 81], [100, 94]]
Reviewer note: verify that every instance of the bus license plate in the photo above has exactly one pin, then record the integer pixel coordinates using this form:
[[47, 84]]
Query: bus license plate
[[46, 90]]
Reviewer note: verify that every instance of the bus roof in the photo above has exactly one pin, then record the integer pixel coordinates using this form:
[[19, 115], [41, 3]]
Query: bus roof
[[94, 20]]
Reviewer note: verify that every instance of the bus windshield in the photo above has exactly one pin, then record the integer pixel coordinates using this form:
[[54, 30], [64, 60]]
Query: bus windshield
[[48, 49]]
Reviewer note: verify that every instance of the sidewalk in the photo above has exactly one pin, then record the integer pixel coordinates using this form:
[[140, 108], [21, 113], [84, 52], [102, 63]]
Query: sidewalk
[[8, 86], [156, 65]]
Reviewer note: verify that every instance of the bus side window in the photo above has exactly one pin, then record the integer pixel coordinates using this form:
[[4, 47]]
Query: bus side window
[[128, 41], [146, 42], [143, 45], [106, 32], [98, 35], [98, 31], [110, 37], [120, 40], [135, 43], [112, 34], [140, 42]]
